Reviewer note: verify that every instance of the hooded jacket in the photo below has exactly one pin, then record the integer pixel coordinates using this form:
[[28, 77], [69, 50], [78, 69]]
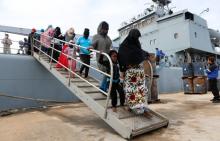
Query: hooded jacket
[[101, 43]]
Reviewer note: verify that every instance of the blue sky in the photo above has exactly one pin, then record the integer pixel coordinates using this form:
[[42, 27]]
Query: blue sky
[[89, 13]]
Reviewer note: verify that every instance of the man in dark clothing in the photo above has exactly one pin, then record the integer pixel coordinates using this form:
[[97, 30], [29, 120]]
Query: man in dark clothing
[[30, 40], [57, 44], [157, 56], [85, 43], [212, 73]]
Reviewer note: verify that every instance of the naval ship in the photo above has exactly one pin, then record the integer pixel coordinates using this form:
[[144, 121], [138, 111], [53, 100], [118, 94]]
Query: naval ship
[[181, 35]]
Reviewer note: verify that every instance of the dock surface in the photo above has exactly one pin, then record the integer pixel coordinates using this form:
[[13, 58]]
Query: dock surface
[[192, 118]]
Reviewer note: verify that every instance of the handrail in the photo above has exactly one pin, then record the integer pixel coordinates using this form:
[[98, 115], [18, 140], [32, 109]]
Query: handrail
[[151, 80], [73, 58]]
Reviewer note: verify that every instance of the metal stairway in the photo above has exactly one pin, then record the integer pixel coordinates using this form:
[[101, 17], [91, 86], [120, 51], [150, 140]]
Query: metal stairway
[[124, 122]]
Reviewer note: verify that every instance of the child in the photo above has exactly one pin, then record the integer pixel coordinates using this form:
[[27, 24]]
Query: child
[[116, 86], [212, 73], [71, 52]]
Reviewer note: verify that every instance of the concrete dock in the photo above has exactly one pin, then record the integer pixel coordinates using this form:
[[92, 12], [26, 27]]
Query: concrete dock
[[192, 118]]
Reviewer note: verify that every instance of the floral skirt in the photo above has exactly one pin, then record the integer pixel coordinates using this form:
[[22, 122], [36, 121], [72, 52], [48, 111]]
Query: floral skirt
[[134, 86]]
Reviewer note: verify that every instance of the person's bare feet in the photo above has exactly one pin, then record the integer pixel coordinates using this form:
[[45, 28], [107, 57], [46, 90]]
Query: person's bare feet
[[114, 109], [147, 114]]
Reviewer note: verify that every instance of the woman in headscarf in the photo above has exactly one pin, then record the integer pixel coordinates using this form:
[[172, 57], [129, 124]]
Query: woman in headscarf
[[131, 57], [70, 34], [57, 44], [45, 39], [71, 52]]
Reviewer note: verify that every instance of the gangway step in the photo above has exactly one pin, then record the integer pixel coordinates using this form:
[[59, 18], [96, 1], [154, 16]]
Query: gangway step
[[97, 96], [84, 84], [126, 123]]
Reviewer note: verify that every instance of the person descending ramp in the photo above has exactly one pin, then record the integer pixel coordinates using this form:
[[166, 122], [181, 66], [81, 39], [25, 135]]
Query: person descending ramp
[[126, 123]]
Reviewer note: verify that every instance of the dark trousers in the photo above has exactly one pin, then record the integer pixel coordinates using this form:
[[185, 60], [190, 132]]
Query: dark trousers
[[56, 54], [157, 60], [116, 87], [49, 52], [85, 59], [213, 87]]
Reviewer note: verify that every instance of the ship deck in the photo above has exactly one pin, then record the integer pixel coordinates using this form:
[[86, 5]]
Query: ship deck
[[192, 118]]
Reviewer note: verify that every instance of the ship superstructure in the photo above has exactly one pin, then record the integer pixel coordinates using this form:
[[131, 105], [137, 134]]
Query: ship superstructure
[[183, 36]]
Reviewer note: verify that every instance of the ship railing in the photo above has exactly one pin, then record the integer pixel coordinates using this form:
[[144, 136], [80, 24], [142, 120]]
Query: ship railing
[[12, 49], [35, 42]]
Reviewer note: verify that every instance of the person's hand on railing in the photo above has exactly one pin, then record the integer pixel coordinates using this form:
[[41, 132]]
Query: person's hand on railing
[[90, 48], [122, 76], [77, 49]]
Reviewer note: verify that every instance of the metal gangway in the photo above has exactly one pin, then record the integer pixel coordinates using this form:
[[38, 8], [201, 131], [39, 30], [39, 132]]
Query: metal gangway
[[126, 123]]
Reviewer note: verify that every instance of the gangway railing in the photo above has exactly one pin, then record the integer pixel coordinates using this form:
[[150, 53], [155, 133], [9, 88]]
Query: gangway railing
[[73, 58]]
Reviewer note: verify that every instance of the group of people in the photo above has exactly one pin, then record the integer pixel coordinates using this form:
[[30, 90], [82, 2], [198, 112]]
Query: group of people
[[128, 71], [63, 46]]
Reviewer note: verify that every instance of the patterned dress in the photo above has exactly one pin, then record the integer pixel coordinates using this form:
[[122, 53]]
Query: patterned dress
[[134, 86]]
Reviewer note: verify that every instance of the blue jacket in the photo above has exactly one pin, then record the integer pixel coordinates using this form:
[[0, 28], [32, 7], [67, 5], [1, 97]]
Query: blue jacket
[[212, 72]]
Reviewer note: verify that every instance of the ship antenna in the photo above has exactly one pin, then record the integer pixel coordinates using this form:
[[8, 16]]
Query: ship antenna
[[206, 10]]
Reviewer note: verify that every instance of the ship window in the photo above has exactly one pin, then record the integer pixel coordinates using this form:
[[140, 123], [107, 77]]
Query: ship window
[[155, 41], [148, 21], [139, 25], [176, 35], [195, 35]]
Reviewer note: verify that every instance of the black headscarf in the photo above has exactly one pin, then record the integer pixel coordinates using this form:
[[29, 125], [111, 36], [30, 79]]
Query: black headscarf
[[86, 33], [57, 32], [130, 52]]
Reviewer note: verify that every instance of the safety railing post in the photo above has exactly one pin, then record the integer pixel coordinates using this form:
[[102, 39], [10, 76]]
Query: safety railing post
[[51, 57], [40, 49], [32, 46], [69, 66], [110, 86]]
